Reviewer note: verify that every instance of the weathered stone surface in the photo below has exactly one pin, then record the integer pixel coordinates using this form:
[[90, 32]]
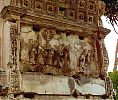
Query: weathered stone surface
[[54, 50], [45, 84], [94, 87], [60, 85]]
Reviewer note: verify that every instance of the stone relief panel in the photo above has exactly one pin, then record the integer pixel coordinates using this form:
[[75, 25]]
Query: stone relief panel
[[86, 63], [56, 53]]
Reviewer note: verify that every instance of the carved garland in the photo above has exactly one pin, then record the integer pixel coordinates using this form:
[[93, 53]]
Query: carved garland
[[14, 79]]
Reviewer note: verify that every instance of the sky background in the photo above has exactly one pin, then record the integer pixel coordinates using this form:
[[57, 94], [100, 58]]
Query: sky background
[[110, 42]]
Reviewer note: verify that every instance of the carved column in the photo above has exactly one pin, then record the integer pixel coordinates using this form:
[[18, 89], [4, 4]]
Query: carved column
[[14, 72]]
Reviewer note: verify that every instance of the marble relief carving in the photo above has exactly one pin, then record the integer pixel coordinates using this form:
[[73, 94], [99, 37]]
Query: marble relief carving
[[49, 52], [55, 43], [14, 73]]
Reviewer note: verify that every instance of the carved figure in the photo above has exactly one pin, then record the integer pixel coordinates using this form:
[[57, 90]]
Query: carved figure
[[24, 52], [50, 55], [88, 57], [82, 60], [30, 44], [33, 53], [40, 56], [109, 87], [57, 57], [79, 53], [66, 57]]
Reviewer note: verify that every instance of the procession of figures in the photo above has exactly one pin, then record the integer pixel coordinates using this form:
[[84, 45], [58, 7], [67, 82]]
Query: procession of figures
[[51, 53]]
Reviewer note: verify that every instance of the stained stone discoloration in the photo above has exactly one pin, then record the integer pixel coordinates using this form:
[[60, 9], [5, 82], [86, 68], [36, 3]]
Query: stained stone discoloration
[[71, 84], [53, 50]]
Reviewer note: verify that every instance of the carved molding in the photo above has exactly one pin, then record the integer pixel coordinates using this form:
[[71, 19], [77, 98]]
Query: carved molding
[[54, 22]]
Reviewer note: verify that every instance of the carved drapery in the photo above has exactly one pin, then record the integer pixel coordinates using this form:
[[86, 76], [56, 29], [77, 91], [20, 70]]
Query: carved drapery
[[14, 73]]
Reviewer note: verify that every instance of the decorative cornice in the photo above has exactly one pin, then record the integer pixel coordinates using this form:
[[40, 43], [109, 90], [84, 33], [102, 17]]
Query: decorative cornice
[[81, 28]]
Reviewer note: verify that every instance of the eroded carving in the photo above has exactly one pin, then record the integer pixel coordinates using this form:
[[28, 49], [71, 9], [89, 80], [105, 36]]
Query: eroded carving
[[33, 52], [47, 35], [3, 89], [64, 9], [108, 86], [14, 73], [105, 60], [24, 52], [16, 3], [57, 46], [51, 53], [82, 60], [41, 56]]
